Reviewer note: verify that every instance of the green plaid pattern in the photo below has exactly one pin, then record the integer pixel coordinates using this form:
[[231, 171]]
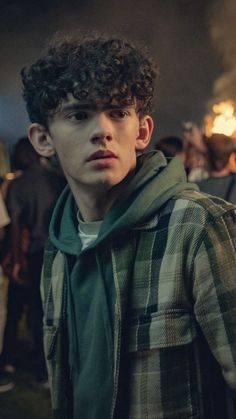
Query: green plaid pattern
[[175, 314]]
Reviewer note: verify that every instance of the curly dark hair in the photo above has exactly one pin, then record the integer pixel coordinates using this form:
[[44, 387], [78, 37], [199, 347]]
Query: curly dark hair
[[99, 68]]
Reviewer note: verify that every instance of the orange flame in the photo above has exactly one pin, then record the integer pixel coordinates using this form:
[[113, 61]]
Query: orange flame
[[222, 120]]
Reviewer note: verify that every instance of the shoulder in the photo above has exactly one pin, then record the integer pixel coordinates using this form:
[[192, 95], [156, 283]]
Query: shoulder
[[212, 206], [192, 215], [18, 187], [190, 209], [205, 218]]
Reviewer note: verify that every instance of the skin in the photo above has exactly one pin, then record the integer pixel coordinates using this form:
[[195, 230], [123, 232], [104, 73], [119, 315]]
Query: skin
[[97, 147]]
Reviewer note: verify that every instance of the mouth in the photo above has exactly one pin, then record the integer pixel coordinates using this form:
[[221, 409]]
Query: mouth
[[102, 154]]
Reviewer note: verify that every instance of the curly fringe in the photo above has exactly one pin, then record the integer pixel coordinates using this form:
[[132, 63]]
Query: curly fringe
[[98, 68]]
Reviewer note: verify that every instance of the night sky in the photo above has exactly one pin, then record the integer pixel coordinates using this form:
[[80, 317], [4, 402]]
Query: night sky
[[192, 41]]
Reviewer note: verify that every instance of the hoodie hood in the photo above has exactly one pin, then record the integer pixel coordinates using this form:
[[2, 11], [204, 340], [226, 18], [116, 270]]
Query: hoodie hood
[[156, 180]]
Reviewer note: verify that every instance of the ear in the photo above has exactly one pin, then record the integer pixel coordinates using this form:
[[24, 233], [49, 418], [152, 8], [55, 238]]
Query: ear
[[41, 140], [145, 133]]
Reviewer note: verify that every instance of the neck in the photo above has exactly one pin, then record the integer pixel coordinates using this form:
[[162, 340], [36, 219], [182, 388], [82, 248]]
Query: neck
[[94, 203], [94, 208]]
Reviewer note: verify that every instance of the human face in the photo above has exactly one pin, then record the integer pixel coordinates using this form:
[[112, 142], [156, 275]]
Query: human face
[[97, 145]]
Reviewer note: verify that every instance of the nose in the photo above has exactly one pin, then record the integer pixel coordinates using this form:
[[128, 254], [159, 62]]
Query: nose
[[101, 129]]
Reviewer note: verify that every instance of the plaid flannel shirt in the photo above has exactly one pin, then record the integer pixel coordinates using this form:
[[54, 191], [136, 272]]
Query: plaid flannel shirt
[[175, 314]]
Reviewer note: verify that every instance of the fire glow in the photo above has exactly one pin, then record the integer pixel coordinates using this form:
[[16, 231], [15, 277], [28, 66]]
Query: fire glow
[[222, 119]]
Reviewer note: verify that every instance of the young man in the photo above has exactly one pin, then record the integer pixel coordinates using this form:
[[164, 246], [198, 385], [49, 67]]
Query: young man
[[138, 282]]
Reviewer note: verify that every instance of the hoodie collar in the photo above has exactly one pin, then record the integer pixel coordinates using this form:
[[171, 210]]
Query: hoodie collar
[[155, 182]]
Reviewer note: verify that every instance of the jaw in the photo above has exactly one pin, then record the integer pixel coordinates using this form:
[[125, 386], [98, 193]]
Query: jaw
[[96, 199]]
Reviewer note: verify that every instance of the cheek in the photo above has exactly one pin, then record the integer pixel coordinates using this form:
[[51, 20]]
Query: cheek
[[67, 158], [130, 157], [66, 148]]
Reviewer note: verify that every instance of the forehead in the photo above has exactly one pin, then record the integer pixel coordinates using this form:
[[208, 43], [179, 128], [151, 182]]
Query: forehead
[[70, 102]]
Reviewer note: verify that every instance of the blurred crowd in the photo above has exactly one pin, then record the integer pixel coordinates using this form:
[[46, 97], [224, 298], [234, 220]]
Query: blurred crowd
[[209, 161], [26, 205]]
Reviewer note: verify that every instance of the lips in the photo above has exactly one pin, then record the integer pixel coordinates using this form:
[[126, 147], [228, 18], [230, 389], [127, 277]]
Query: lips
[[102, 154]]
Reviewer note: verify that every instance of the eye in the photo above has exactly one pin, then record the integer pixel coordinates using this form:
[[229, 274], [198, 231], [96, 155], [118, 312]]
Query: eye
[[119, 113], [78, 116]]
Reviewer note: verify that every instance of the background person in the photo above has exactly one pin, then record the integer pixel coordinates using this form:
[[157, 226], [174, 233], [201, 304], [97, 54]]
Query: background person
[[171, 146], [6, 382], [221, 181], [30, 200], [195, 152]]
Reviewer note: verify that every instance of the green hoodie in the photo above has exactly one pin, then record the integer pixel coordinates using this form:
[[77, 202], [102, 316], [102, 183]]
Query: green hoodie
[[91, 296]]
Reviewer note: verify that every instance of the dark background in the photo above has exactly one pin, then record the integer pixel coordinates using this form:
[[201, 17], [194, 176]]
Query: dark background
[[193, 42]]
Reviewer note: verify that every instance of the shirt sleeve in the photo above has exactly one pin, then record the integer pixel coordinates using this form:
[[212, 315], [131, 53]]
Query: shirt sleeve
[[215, 292]]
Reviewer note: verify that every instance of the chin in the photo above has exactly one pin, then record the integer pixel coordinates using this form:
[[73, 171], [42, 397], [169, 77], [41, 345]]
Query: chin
[[107, 182]]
